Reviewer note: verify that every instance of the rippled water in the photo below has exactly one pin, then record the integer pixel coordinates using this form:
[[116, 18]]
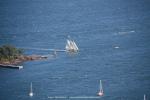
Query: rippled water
[[113, 37]]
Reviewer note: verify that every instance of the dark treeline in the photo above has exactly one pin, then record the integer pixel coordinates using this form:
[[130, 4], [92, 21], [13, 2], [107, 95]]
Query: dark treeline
[[9, 52]]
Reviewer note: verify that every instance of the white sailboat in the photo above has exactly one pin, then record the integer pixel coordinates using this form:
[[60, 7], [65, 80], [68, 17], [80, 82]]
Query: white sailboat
[[31, 90], [144, 97], [101, 92], [71, 46]]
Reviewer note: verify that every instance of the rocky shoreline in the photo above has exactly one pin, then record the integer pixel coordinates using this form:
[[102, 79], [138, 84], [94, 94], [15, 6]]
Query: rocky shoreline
[[22, 58]]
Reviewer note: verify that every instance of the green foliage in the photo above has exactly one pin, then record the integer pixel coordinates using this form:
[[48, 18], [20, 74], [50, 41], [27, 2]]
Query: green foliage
[[8, 52]]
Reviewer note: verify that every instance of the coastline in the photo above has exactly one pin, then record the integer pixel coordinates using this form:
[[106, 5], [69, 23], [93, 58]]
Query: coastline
[[21, 59]]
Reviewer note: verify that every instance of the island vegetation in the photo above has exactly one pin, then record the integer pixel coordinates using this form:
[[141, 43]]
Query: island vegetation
[[10, 55]]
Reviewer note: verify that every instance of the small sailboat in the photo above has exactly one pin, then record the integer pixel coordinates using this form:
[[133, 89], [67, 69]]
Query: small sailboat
[[144, 97], [101, 92], [31, 90], [71, 46]]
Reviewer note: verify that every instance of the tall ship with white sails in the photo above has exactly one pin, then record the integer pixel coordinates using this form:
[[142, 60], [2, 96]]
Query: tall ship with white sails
[[71, 46]]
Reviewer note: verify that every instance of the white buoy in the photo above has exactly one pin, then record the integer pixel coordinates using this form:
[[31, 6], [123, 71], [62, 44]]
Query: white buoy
[[31, 91], [101, 92]]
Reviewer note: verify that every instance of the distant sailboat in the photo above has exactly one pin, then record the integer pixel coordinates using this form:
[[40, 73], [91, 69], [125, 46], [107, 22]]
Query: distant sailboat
[[101, 92], [31, 90], [71, 46], [144, 97]]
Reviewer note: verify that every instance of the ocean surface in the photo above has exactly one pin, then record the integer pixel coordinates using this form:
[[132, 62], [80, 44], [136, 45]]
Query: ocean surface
[[114, 41]]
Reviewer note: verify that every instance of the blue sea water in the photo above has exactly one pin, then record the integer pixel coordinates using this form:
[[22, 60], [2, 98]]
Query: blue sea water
[[113, 37]]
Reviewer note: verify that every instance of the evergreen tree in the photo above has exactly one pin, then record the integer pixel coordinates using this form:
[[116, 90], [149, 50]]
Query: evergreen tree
[[8, 52]]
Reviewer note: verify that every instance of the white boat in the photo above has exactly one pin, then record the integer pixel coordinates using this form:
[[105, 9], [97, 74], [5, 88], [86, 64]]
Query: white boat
[[71, 46], [20, 67], [11, 66], [101, 92], [31, 90]]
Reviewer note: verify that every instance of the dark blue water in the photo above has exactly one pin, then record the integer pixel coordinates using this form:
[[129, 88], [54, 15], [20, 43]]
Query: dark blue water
[[97, 26]]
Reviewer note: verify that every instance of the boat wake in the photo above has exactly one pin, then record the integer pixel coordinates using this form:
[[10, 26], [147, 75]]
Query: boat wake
[[124, 32], [74, 97], [42, 49]]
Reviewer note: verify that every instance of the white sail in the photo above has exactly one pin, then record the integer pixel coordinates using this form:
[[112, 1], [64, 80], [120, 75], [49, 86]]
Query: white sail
[[71, 46], [75, 46], [68, 45], [101, 87], [68, 42], [144, 97], [31, 88]]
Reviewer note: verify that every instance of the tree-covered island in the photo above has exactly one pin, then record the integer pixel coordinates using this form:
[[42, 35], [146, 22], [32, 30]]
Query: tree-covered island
[[10, 55]]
